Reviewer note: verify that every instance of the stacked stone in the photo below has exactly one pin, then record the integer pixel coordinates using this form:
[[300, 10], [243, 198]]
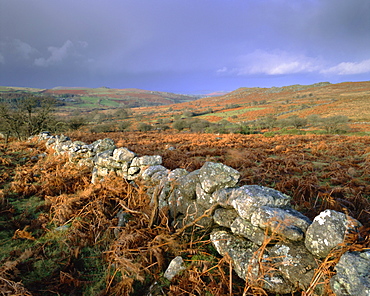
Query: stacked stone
[[245, 218]]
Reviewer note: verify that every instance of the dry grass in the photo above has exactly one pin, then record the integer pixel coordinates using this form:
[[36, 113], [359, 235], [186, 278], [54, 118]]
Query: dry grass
[[92, 252]]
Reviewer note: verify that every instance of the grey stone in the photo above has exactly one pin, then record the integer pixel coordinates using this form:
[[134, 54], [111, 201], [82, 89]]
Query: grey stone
[[146, 160], [249, 197], [237, 248], [246, 229], [224, 217], [174, 268], [222, 196], [50, 142], [213, 176], [62, 138], [186, 185], [42, 136], [353, 275], [76, 146], [133, 171], [177, 173], [61, 147], [288, 223], [123, 155], [327, 231], [242, 254], [158, 176], [151, 172], [203, 198], [296, 263], [86, 162], [102, 145], [105, 159]]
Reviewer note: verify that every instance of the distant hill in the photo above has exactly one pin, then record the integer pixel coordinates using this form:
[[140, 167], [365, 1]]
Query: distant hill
[[104, 97], [351, 99]]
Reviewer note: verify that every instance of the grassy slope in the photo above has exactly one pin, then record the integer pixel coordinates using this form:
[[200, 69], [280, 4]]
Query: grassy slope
[[351, 99]]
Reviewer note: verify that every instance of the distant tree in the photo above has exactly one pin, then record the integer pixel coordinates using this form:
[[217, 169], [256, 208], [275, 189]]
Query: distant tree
[[297, 121], [122, 113], [124, 125], [103, 128], [334, 124], [144, 127], [266, 122], [76, 122], [198, 125], [179, 124], [187, 114], [314, 119], [26, 115]]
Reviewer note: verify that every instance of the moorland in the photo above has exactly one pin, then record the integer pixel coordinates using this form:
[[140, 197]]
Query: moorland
[[57, 229]]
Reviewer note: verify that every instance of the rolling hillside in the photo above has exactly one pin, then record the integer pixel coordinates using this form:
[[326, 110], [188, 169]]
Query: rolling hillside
[[351, 99], [103, 97]]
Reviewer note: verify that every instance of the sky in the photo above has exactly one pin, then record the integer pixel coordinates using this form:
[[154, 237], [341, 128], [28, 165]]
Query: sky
[[183, 46]]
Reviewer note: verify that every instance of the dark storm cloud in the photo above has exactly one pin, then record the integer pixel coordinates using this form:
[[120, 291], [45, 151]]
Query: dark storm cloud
[[183, 45]]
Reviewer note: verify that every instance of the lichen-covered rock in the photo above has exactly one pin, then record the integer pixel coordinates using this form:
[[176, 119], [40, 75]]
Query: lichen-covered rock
[[104, 159], [238, 249], [62, 138], [133, 173], [188, 211], [176, 266], [296, 264], [246, 229], [123, 155], [176, 173], [42, 136], [247, 198], [102, 145], [224, 217], [86, 162], [222, 196], [213, 176], [50, 141], [242, 254], [165, 186], [186, 185], [154, 173], [327, 231], [203, 198], [288, 223], [353, 275], [146, 160], [61, 147]]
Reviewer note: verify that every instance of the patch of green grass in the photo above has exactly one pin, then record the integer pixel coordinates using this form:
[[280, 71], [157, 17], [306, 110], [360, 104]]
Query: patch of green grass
[[109, 103], [90, 100]]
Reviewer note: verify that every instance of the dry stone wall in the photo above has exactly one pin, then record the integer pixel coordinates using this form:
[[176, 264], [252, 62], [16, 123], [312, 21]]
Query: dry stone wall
[[243, 218]]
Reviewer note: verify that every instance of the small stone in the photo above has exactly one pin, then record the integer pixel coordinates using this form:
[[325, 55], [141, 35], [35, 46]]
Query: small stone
[[288, 223], [175, 267], [147, 160], [353, 275], [123, 155], [327, 231], [248, 198], [246, 229], [213, 176], [224, 217]]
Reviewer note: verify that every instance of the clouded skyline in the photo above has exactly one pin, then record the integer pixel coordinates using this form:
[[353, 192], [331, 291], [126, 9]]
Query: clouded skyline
[[183, 46]]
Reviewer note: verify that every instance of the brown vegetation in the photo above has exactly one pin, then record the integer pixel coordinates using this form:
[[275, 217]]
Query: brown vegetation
[[66, 237]]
